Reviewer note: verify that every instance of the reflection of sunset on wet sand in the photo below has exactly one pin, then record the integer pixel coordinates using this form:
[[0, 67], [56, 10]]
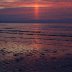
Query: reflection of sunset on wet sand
[[31, 46], [24, 38]]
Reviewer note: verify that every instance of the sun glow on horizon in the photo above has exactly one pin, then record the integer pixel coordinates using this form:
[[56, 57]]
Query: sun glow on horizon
[[36, 6]]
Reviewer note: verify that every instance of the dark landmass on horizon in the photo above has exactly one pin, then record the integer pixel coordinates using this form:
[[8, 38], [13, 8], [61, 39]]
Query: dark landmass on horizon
[[37, 21]]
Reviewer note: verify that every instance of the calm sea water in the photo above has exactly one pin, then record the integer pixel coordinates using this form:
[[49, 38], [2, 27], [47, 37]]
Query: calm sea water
[[34, 43]]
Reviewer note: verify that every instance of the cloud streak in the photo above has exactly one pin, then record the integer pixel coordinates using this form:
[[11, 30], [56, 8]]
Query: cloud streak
[[58, 0], [30, 3], [40, 4], [35, 0], [8, 0]]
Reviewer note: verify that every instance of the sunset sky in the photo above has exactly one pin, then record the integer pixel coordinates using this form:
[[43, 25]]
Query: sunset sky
[[21, 10]]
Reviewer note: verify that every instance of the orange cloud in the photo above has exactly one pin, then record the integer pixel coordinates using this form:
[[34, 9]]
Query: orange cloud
[[40, 4]]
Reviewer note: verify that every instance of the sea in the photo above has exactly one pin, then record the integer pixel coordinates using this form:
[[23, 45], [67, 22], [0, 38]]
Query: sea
[[35, 47]]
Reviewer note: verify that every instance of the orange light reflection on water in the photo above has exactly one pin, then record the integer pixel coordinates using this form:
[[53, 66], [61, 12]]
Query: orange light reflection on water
[[36, 42]]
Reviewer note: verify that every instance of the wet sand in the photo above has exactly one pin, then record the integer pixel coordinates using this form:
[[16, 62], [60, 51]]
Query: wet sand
[[35, 47]]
